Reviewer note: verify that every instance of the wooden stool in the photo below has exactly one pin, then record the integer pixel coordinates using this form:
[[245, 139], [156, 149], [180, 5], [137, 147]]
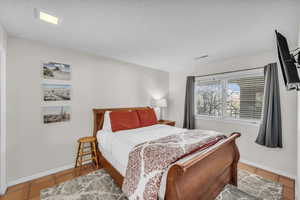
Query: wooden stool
[[84, 151]]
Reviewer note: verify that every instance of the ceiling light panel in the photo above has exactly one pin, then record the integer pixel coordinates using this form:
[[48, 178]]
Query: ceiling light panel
[[46, 17]]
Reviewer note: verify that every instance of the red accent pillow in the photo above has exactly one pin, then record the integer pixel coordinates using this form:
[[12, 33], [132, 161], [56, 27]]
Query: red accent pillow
[[147, 117], [123, 120]]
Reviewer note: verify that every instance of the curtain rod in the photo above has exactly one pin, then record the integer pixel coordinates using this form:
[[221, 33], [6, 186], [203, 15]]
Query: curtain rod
[[241, 70]]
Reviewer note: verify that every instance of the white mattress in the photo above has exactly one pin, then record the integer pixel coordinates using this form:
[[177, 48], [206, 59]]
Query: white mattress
[[116, 146]]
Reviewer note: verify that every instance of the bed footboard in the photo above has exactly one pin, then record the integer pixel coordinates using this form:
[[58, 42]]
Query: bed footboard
[[204, 176]]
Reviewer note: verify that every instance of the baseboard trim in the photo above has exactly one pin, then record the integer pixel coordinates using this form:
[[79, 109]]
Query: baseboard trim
[[39, 175], [279, 172], [3, 190]]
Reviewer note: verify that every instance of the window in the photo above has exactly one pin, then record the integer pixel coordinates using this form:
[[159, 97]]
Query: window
[[233, 96]]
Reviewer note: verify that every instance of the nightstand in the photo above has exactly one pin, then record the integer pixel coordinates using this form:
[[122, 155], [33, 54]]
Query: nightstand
[[167, 122]]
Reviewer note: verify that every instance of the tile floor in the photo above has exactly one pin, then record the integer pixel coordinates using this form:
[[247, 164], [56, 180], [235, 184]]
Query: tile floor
[[31, 189]]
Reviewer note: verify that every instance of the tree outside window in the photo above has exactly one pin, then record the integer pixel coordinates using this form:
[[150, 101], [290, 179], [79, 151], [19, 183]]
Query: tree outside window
[[230, 97]]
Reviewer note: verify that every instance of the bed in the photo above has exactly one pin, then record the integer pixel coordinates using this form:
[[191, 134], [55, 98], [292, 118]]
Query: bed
[[201, 175]]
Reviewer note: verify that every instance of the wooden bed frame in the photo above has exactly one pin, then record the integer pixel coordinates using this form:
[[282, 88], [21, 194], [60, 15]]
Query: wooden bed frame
[[202, 177]]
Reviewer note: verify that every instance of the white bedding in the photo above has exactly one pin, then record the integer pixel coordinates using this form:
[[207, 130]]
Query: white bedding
[[116, 146]]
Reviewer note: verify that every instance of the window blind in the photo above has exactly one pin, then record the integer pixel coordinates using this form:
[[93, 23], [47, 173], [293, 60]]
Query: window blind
[[250, 96]]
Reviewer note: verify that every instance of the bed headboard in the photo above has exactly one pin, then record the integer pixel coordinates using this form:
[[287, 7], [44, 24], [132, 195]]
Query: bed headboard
[[99, 116]]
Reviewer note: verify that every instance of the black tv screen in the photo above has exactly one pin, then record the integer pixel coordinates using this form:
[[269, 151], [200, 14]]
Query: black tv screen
[[287, 62]]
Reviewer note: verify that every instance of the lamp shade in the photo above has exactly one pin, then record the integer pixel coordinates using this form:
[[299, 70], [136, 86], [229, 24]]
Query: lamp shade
[[161, 103]]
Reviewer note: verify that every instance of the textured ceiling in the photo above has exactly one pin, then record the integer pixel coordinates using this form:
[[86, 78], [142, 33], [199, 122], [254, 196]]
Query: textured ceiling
[[163, 34]]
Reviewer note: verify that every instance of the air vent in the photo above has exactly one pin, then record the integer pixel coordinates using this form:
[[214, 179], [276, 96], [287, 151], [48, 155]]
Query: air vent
[[201, 57]]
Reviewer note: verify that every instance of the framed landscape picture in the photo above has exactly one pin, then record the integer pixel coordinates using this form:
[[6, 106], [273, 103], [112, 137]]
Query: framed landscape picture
[[54, 114], [56, 71], [56, 92]]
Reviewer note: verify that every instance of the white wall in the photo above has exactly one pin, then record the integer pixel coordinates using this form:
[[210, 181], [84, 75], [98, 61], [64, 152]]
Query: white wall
[[282, 161], [3, 45], [33, 147]]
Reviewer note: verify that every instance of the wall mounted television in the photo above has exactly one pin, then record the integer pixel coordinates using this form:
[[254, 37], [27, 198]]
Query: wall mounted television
[[288, 63]]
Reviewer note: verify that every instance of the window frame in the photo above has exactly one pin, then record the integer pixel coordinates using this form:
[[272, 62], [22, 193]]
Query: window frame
[[223, 78]]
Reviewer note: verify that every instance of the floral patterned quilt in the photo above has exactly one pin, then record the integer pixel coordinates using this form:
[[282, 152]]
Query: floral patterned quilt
[[149, 160]]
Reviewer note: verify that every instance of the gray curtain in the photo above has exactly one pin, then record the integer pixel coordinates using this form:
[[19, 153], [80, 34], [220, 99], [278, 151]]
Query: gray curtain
[[270, 131], [189, 119]]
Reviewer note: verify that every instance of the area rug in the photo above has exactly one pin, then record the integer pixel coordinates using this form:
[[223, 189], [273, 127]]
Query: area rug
[[259, 187], [231, 192], [252, 187], [98, 185]]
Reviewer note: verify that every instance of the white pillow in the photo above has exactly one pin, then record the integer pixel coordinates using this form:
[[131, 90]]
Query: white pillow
[[106, 122]]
